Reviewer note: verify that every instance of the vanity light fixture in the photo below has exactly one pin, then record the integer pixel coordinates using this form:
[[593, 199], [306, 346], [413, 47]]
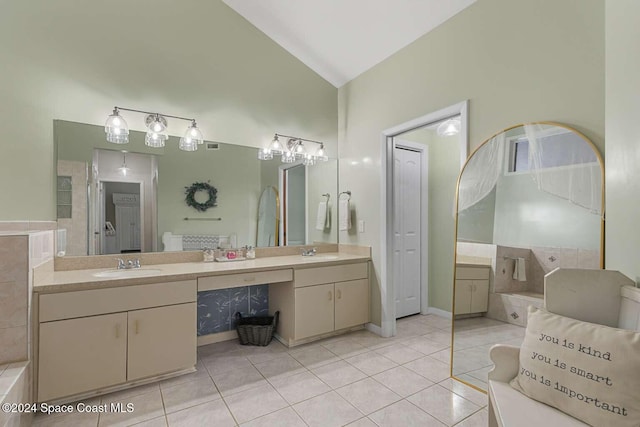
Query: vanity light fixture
[[117, 130], [449, 127], [293, 150]]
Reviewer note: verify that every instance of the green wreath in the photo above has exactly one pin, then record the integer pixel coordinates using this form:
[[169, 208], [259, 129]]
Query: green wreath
[[201, 186]]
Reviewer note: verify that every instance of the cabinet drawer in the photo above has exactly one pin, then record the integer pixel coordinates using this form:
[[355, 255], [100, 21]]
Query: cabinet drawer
[[244, 279], [332, 274], [472, 273], [92, 302]]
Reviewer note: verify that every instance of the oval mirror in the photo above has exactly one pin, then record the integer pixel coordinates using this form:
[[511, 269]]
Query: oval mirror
[[268, 218], [530, 199]]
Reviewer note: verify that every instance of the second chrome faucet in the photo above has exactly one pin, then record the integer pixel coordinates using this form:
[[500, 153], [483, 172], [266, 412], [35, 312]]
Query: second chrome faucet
[[122, 265]]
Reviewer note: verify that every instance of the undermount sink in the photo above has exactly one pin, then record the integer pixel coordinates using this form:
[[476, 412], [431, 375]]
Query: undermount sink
[[323, 257], [133, 272]]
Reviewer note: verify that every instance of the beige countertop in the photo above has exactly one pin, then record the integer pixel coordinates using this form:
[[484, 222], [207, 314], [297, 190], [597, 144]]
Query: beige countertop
[[75, 280], [472, 261]]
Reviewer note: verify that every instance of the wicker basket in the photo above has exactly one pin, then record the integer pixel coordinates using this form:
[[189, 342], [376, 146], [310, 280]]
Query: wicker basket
[[256, 330]]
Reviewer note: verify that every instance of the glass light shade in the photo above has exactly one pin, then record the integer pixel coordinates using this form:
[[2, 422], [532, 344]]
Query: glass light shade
[[276, 147], [320, 154], [309, 160], [193, 134], [265, 154], [300, 151], [116, 129], [154, 139], [288, 157], [449, 127], [187, 145], [157, 125]]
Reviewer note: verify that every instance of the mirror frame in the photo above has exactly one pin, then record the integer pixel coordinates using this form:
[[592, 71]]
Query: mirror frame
[[455, 255], [277, 193]]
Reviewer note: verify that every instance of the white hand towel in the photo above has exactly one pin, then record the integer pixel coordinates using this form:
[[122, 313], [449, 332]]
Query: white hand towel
[[345, 215], [519, 270], [321, 219]]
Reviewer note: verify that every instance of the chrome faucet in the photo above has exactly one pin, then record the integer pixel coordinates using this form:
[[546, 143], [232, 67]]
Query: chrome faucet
[[122, 265], [309, 252]]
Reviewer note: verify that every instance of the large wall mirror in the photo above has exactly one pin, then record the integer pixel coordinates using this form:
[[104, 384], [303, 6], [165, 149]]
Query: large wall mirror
[[112, 201], [530, 199]]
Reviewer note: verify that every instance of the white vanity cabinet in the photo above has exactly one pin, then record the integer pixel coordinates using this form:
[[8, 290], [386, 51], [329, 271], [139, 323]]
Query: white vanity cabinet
[[323, 300], [108, 337], [472, 289]]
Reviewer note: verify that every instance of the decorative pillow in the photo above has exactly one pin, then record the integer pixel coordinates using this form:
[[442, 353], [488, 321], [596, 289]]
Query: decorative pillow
[[589, 371]]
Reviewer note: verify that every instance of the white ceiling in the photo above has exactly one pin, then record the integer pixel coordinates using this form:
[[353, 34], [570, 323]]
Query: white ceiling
[[340, 39]]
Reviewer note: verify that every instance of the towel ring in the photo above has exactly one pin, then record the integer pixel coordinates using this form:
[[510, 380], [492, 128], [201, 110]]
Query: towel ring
[[348, 192], [327, 195]]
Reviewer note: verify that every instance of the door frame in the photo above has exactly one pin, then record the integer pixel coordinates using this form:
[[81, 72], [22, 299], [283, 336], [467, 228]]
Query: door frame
[[423, 150], [102, 209], [284, 196], [387, 289]]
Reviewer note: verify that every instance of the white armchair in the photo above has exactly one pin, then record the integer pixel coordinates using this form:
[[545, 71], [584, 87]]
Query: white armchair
[[596, 296]]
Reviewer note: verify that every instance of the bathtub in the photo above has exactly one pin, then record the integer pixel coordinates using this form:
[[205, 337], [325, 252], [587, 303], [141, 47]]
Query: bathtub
[[512, 306]]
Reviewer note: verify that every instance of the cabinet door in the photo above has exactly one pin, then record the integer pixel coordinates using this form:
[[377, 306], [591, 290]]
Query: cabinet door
[[314, 310], [83, 354], [161, 340], [463, 296], [480, 296], [352, 303]]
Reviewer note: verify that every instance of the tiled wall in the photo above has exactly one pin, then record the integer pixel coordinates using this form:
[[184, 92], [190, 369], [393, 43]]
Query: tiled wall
[[216, 308], [14, 297], [18, 255], [76, 226]]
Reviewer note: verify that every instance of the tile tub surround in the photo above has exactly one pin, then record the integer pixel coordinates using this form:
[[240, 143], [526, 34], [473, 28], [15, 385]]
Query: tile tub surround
[[14, 388], [273, 385], [14, 298]]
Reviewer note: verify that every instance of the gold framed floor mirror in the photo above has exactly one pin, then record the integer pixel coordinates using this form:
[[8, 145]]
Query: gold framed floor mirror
[[529, 199]]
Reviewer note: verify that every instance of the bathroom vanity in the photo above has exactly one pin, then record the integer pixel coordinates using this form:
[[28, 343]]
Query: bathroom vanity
[[472, 285], [111, 329]]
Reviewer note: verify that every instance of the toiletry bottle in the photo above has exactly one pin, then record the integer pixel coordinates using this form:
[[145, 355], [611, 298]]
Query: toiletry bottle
[[251, 252]]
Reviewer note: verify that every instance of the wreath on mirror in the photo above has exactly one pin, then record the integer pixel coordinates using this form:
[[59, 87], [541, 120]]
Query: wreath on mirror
[[194, 189]]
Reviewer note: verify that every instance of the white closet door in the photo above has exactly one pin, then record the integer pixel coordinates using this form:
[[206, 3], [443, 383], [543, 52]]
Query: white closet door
[[128, 227], [407, 234]]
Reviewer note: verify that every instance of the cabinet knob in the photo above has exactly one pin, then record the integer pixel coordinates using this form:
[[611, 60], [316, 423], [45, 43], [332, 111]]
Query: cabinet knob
[[339, 294], [135, 327], [330, 295], [117, 330], [249, 279]]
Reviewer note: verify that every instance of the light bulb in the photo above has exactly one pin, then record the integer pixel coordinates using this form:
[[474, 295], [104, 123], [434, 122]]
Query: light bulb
[[116, 129], [192, 136]]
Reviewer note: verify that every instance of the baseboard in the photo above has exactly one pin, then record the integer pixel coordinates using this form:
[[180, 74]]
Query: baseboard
[[219, 337], [373, 328], [439, 312]]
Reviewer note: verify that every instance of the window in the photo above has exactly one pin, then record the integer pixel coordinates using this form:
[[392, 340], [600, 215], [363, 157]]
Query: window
[[556, 150]]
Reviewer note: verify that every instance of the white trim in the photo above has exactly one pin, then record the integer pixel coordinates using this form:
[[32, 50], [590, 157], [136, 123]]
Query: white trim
[[424, 218], [439, 312], [387, 294], [373, 328], [283, 213]]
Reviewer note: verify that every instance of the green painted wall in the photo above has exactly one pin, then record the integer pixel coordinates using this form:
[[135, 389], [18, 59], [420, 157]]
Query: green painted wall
[[516, 61], [75, 60], [623, 137]]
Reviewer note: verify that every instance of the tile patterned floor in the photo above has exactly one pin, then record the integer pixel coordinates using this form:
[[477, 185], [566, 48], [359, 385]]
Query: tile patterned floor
[[357, 379], [473, 339]]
